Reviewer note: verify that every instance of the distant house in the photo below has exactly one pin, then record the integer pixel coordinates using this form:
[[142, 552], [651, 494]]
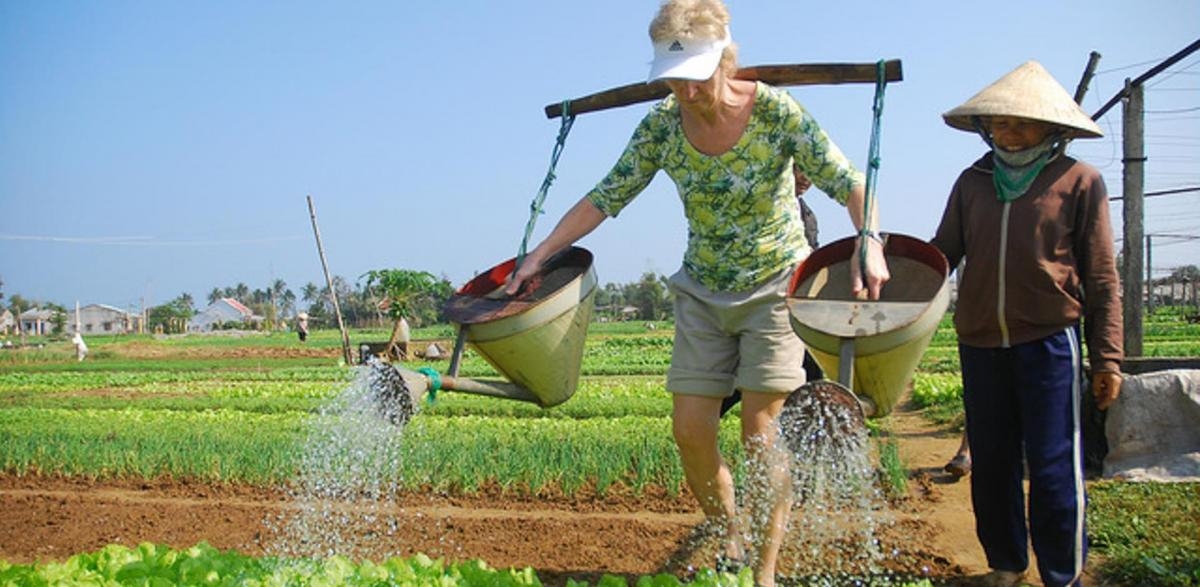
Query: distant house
[[36, 321], [7, 323], [104, 319], [221, 312]]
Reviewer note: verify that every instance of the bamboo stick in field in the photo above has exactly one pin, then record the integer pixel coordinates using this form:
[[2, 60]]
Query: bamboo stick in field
[[337, 310]]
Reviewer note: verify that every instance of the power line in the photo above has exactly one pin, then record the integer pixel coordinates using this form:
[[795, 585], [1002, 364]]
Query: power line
[[1124, 67], [1175, 111], [1186, 237], [1172, 60], [1161, 193]]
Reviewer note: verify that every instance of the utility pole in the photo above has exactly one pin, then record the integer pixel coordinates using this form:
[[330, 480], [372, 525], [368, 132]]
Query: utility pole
[[1132, 96], [1085, 80], [1133, 213]]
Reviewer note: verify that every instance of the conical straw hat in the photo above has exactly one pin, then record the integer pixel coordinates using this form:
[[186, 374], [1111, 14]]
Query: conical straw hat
[[1028, 91]]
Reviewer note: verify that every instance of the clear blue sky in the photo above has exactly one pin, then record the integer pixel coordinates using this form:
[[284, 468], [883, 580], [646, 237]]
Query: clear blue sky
[[149, 149]]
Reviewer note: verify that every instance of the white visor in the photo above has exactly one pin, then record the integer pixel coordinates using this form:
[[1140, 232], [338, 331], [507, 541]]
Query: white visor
[[690, 59]]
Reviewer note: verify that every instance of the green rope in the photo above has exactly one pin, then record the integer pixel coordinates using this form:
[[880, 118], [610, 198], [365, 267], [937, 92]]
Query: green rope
[[872, 163], [535, 207], [435, 381]]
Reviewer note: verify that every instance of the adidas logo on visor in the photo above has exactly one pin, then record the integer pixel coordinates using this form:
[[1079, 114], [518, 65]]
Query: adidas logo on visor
[[676, 46]]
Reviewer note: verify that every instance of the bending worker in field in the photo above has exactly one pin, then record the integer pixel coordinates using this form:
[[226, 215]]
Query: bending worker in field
[[729, 146], [1033, 225]]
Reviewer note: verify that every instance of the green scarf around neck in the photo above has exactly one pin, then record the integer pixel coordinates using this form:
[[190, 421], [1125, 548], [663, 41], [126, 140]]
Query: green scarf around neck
[[1013, 172]]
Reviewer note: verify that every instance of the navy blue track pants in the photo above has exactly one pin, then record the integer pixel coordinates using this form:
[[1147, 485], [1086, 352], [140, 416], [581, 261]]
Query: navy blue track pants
[[1024, 400]]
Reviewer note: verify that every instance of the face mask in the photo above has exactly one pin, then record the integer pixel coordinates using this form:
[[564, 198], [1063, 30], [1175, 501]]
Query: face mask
[[1014, 171]]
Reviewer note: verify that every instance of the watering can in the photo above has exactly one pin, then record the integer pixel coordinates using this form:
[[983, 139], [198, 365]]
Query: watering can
[[534, 339], [873, 345]]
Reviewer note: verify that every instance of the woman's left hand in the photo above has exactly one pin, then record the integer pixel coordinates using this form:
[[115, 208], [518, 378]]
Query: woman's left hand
[[877, 270]]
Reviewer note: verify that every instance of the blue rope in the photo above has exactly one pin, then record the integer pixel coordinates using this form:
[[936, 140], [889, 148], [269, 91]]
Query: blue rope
[[535, 207], [872, 162]]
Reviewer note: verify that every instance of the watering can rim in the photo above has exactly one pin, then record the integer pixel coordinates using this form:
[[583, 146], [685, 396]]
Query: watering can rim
[[895, 244], [473, 291]]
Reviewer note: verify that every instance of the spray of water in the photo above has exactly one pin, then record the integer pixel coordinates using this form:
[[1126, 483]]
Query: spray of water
[[343, 498], [838, 508]]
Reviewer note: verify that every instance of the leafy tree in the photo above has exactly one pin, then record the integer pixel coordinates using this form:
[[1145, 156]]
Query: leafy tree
[[1187, 274], [288, 303], [278, 292], [402, 289], [58, 318], [18, 304], [612, 298], [171, 317], [650, 297], [310, 292]]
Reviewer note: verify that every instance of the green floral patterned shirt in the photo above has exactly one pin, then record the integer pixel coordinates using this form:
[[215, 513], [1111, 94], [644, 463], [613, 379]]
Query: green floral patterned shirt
[[744, 224]]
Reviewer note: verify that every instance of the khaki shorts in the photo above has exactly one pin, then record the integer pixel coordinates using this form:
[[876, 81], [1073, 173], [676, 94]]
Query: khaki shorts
[[727, 341]]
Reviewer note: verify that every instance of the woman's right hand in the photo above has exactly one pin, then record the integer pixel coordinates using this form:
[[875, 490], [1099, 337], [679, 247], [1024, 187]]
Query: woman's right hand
[[580, 220], [869, 286], [528, 269]]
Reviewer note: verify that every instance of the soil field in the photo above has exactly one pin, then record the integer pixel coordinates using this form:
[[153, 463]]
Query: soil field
[[581, 537]]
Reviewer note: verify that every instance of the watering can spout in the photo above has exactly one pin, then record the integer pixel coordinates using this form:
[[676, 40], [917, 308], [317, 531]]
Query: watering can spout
[[498, 389], [397, 391]]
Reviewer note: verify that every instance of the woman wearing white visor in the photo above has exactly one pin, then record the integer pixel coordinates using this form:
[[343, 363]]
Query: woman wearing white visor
[[729, 146]]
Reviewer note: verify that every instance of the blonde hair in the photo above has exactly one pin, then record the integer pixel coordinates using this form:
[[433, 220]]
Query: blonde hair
[[695, 19]]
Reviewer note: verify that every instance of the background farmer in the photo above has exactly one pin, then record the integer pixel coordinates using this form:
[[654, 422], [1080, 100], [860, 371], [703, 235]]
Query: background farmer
[[81, 348], [1034, 228], [729, 146], [302, 326]]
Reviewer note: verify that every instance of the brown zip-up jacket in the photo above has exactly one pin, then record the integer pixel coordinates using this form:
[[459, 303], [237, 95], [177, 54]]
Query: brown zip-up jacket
[[1037, 264]]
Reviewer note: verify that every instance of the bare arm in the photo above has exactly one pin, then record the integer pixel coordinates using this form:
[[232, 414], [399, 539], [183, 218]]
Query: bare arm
[[877, 270], [577, 223]]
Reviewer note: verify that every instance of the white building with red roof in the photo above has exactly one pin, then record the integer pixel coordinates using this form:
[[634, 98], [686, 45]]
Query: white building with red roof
[[221, 313]]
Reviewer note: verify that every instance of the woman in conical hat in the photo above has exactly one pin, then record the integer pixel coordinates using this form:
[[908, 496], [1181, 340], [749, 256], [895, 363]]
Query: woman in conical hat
[[1033, 226]]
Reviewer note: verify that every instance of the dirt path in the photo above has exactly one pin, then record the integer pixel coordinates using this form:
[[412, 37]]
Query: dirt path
[[580, 537], [945, 501]]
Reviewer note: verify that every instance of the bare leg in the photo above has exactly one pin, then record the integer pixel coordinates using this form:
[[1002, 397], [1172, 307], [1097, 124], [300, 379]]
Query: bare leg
[[960, 465], [695, 423], [772, 499]]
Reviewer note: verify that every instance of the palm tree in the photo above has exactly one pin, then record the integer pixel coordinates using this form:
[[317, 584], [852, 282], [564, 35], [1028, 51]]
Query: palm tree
[[185, 300], [310, 292], [275, 290]]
